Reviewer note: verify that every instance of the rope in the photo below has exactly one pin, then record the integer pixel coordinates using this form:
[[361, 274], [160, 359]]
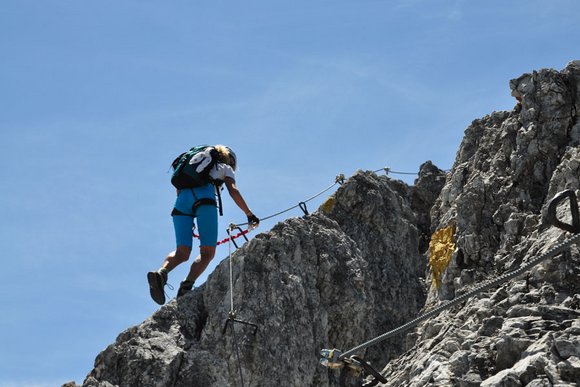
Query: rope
[[557, 249], [230, 238]]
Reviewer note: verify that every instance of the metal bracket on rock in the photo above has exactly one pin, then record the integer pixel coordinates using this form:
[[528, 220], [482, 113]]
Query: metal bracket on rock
[[232, 318], [303, 207], [331, 358], [359, 363], [552, 216], [242, 233]]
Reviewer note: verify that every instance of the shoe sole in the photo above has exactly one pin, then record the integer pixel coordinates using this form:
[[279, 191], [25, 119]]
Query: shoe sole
[[155, 288]]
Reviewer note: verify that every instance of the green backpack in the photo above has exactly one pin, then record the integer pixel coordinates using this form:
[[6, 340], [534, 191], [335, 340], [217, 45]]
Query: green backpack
[[191, 169]]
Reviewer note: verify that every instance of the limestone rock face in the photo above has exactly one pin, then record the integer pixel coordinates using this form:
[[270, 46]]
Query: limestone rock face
[[357, 268], [508, 167], [332, 279]]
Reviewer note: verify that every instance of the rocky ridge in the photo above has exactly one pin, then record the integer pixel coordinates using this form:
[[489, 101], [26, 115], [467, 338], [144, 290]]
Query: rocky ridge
[[358, 268], [508, 167], [336, 278]]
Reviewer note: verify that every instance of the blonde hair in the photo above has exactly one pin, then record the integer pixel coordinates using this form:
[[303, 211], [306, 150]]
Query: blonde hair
[[224, 156]]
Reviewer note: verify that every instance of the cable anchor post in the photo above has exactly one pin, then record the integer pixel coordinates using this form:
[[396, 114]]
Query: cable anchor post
[[233, 312], [233, 227], [334, 359], [331, 358], [552, 215], [232, 319], [303, 208]]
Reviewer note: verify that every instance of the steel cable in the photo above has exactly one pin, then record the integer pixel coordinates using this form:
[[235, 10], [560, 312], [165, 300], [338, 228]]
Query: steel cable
[[297, 205], [557, 249]]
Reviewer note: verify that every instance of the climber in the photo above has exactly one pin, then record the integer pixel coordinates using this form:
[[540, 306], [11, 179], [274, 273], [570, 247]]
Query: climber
[[199, 203]]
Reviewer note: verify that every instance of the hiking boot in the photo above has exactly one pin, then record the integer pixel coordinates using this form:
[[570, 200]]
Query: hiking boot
[[156, 283], [184, 288]]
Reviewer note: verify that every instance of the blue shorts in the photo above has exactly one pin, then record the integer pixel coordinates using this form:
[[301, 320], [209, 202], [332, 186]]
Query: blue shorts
[[205, 214]]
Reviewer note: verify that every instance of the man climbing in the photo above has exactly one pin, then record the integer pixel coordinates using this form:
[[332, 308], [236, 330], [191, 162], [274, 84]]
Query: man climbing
[[198, 203]]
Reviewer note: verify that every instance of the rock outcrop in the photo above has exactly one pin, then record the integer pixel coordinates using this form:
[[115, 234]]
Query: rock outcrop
[[357, 268], [508, 167], [331, 279]]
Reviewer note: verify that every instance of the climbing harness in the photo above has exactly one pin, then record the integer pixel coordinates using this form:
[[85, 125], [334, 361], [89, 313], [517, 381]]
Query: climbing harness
[[231, 320], [334, 358]]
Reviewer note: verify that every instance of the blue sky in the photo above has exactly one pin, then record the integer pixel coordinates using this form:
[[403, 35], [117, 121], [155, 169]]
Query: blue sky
[[98, 97]]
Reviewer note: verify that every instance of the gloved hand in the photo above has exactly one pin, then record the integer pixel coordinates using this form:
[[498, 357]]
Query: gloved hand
[[253, 220]]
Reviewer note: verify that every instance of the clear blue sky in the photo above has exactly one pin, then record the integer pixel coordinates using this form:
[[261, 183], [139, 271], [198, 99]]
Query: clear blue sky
[[98, 97]]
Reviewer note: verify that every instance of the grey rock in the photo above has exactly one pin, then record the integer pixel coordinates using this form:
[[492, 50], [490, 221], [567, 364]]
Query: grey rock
[[507, 378], [471, 379], [331, 279], [509, 350], [540, 382], [358, 268], [568, 347], [508, 167], [570, 369], [459, 363], [423, 194], [490, 325]]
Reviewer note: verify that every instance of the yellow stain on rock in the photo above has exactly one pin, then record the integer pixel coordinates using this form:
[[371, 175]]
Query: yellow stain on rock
[[441, 249], [328, 204]]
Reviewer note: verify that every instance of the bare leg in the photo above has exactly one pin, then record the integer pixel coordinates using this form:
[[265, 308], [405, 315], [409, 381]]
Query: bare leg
[[175, 258], [198, 267], [158, 279]]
